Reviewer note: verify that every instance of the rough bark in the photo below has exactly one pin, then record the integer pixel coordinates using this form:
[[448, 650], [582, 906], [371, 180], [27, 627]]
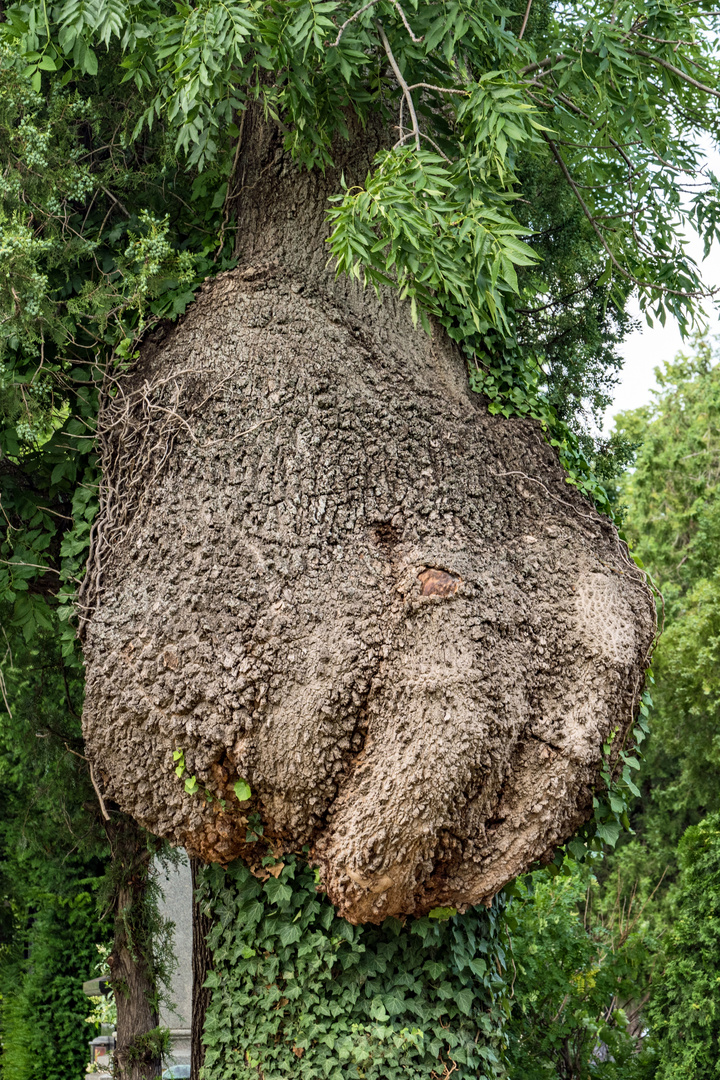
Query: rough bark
[[321, 566], [130, 974], [201, 965]]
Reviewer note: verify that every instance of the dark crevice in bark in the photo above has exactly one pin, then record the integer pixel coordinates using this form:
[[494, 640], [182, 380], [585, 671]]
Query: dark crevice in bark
[[545, 742]]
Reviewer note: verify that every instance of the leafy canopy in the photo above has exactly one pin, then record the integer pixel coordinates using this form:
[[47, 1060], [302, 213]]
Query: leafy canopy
[[580, 981], [673, 522], [684, 1011]]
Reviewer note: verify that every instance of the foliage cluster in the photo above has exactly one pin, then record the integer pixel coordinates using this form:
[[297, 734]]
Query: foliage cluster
[[100, 237], [535, 181], [582, 978], [297, 991], [51, 854], [673, 522], [43, 1006], [684, 1010]]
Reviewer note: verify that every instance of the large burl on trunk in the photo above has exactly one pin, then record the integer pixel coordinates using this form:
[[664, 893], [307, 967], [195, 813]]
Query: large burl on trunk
[[323, 568]]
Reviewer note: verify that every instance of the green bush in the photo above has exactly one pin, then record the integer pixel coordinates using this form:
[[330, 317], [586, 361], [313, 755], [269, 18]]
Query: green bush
[[685, 1011], [43, 1030], [580, 981]]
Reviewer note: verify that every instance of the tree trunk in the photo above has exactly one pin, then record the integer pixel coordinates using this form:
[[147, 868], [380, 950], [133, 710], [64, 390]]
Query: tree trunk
[[321, 567], [137, 1055], [201, 965]]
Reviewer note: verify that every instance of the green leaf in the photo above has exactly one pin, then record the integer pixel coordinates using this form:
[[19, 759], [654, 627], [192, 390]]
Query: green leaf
[[442, 913], [278, 892], [464, 1001], [289, 933], [242, 790]]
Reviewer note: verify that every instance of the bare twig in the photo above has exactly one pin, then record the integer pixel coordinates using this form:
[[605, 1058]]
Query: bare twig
[[440, 89], [525, 20], [680, 74], [362, 10], [117, 202], [35, 566], [92, 780], [403, 85], [424, 135], [563, 1003], [3, 691], [98, 793], [542, 64], [512, 960]]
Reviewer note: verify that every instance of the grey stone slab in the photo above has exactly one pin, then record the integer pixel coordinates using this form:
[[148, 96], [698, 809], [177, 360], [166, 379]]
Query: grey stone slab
[[176, 905]]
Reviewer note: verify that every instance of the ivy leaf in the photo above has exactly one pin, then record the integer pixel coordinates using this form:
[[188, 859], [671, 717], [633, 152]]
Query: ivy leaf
[[242, 790], [278, 892], [442, 913], [394, 1003], [465, 1001], [290, 933], [609, 832]]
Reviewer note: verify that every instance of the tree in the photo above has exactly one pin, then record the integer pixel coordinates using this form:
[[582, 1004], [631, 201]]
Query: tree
[[51, 860], [271, 569], [73, 874], [516, 135], [581, 981], [684, 1007], [673, 522]]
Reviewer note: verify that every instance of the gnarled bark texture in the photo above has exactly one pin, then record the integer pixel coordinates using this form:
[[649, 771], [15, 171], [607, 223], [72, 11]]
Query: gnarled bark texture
[[325, 569]]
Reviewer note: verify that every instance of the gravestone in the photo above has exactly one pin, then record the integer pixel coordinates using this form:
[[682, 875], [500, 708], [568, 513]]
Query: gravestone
[[176, 905]]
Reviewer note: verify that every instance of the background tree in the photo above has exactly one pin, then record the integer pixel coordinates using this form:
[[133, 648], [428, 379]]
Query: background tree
[[684, 1011], [673, 521], [51, 857], [582, 980]]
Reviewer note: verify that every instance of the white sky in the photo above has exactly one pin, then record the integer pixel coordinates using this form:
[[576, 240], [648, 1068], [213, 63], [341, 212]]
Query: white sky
[[645, 349]]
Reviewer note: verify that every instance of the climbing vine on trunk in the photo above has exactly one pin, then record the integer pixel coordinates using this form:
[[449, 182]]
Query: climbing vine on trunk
[[297, 991]]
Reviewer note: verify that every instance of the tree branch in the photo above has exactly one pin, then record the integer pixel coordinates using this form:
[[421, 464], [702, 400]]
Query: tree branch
[[680, 74], [586, 211], [361, 10], [525, 20], [403, 85]]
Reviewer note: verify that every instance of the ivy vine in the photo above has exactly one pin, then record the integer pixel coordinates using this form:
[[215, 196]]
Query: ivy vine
[[297, 991]]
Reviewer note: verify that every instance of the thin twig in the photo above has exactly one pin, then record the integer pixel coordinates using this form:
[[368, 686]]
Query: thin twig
[[92, 780], [361, 11], [512, 960], [117, 202], [562, 1006], [4, 694], [35, 566], [586, 211], [525, 20], [680, 74], [440, 89], [97, 792], [424, 135], [403, 85]]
